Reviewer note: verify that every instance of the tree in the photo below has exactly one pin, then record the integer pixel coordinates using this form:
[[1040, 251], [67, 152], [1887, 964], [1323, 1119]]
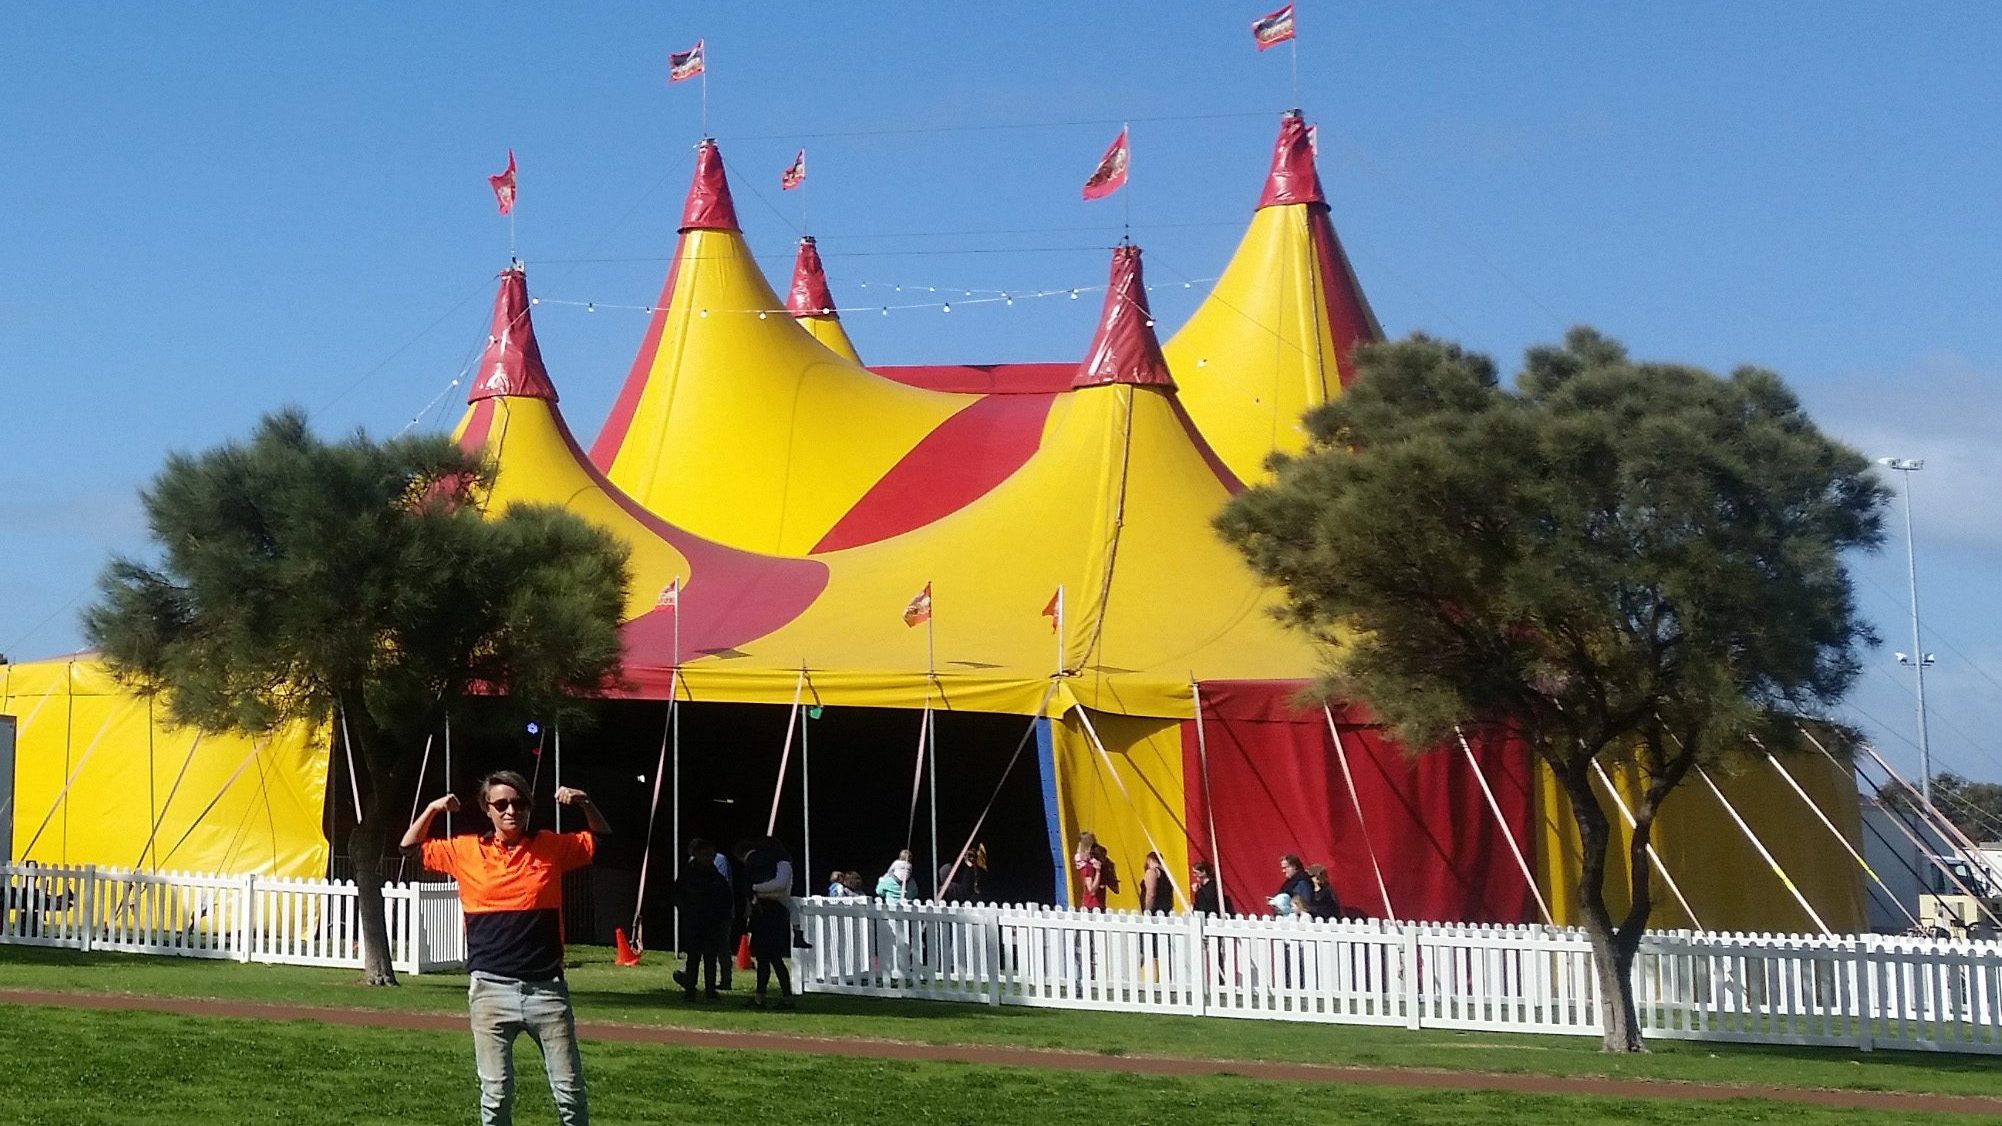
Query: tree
[[1975, 808], [358, 586], [1616, 561]]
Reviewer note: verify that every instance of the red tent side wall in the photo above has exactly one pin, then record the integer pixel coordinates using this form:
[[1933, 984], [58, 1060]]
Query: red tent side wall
[[1276, 786]]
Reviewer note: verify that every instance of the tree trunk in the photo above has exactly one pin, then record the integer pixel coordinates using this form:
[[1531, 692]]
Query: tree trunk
[[1613, 961], [365, 851], [1612, 954]]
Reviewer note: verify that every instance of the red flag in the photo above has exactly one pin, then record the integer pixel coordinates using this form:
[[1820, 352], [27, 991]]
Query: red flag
[[1055, 611], [670, 596], [919, 611], [1110, 175], [794, 176], [1273, 29], [686, 64], [503, 185]]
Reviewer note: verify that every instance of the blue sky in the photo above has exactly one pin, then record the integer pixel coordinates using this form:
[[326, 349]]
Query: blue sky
[[213, 211]]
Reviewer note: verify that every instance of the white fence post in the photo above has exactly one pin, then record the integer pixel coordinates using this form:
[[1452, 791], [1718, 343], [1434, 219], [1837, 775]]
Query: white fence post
[[88, 895], [1196, 966], [1414, 1005], [246, 912]]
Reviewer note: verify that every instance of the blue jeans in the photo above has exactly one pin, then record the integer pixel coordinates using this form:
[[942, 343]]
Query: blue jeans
[[501, 1010]]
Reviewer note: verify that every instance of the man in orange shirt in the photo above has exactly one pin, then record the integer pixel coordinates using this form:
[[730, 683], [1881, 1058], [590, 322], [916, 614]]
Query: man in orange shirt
[[511, 891]]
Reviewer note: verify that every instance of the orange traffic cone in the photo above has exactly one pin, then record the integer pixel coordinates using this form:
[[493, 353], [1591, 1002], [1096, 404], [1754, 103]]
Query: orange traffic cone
[[628, 956], [744, 952]]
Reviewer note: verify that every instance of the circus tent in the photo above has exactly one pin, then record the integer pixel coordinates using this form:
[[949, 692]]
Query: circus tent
[[1057, 516]]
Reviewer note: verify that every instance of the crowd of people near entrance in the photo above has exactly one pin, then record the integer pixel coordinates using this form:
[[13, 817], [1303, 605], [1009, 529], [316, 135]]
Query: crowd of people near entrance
[[1303, 890]]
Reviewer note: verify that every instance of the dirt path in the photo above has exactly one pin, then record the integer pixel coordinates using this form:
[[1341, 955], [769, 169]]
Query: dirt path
[[990, 1055]]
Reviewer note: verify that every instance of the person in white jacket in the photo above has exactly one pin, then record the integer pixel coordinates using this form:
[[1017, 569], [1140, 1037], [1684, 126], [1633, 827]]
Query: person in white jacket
[[769, 867]]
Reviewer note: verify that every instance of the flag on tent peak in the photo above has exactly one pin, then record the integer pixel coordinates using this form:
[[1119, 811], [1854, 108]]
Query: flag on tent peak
[[512, 364], [1110, 175], [503, 185], [795, 173], [1125, 349], [919, 611], [1292, 178], [684, 65], [1273, 28], [709, 206], [1054, 611]]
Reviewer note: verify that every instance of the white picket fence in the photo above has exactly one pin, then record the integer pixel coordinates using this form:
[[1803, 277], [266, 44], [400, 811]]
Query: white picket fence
[[1862, 991], [246, 918]]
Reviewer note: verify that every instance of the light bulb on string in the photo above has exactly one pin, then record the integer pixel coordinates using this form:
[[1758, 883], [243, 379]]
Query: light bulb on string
[[761, 314], [948, 307]]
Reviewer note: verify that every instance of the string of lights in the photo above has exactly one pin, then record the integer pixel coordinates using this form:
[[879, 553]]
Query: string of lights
[[946, 304]]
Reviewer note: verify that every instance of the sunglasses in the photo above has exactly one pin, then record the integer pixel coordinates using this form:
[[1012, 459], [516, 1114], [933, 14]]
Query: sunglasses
[[508, 804]]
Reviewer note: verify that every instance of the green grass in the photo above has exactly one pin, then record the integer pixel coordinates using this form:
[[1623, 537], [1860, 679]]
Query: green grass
[[68, 1067], [644, 995]]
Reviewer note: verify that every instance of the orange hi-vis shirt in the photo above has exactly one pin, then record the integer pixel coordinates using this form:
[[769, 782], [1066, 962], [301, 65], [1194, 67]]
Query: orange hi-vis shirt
[[512, 898]]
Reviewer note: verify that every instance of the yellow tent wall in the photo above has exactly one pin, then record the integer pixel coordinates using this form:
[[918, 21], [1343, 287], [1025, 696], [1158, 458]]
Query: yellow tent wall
[[1728, 885], [1146, 754], [97, 768]]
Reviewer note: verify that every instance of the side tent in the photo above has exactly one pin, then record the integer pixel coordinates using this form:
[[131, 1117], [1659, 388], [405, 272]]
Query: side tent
[[101, 778]]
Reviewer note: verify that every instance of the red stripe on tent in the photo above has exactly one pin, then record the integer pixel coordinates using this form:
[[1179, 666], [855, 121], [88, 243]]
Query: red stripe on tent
[[730, 597], [1276, 788], [1223, 474], [984, 379], [959, 462], [1349, 315], [479, 424], [613, 434]]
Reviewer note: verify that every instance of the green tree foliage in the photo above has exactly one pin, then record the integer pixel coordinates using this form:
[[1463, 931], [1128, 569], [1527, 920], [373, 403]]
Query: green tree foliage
[[1975, 808], [1614, 560], [308, 581]]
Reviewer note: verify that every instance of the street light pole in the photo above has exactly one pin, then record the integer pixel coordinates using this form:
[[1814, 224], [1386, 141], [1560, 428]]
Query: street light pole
[[1919, 658]]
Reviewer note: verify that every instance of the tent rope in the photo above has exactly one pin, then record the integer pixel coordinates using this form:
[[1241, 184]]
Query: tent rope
[[1097, 744], [785, 755], [256, 750], [348, 749], [1653, 856], [653, 808], [918, 773], [76, 772], [1362, 823], [1764, 853], [1508, 834], [1840, 839], [981, 821]]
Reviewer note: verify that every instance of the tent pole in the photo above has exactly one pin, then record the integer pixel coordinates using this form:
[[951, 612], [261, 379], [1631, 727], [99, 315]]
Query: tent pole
[[805, 803], [558, 737], [674, 823], [931, 789], [448, 769], [1209, 800]]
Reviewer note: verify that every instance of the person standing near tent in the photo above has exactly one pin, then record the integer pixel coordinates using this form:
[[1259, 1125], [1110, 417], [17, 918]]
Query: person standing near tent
[[769, 867], [1204, 896], [1085, 860], [895, 884], [706, 903], [511, 891], [1293, 884]]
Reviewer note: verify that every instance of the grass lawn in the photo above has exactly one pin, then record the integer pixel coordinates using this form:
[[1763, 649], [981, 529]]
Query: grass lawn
[[644, 995], [68, 1067]]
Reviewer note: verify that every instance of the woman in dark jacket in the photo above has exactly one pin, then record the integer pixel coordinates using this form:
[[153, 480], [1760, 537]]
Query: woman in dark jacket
[[1321, 901]]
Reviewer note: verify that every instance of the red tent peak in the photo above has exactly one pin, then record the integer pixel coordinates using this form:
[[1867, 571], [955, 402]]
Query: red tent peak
[[709, 207], [808, 296], [1292, 179], [512, 363], [1125, 349]]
